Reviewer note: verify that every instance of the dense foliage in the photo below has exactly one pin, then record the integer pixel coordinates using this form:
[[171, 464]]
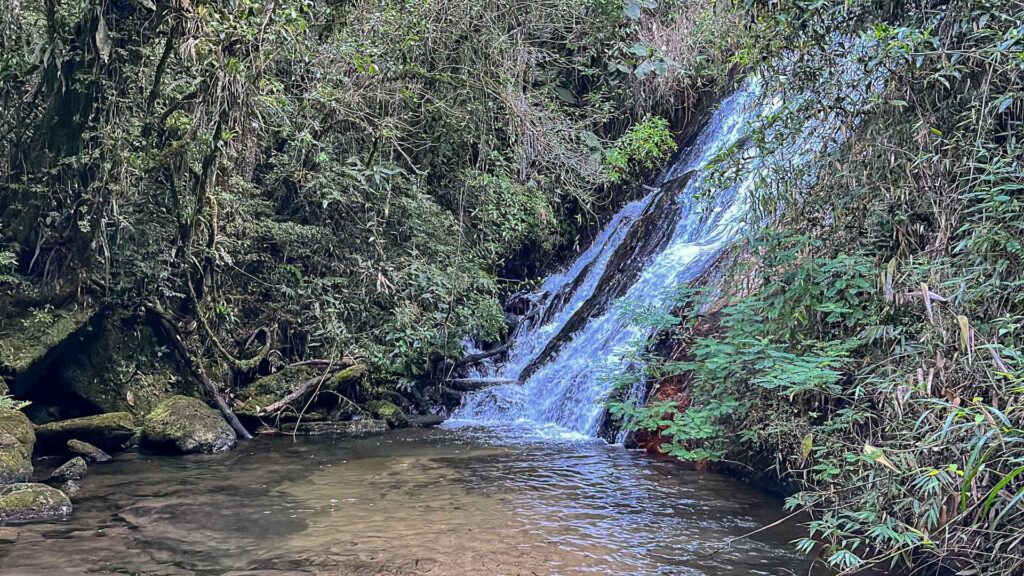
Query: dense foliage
[[870, 336], [288, 179]]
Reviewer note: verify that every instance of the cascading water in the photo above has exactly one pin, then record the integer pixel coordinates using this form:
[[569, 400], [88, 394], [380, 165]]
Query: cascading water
[[563, 351]]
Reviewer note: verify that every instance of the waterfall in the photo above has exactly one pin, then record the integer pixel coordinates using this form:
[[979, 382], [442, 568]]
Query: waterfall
[[562, 352]]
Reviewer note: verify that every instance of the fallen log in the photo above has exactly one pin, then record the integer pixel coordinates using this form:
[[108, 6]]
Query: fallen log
[[332, 378], [480, 356], [473, 384]]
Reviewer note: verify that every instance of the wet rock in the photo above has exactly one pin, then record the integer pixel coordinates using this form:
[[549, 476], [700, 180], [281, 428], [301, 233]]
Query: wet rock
[[25, 502], [8, 535], [426, 421], [71, 488], [337, 429], [185, 424], [88, 451], [388, 412], [109, 431], [74, 469], [17, 439]]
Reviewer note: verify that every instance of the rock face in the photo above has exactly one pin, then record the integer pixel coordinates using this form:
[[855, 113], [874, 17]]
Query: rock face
[[26, 502], [388, 412], [73, 469], [185, 424], [118, 367], [17, 438], [28, 339], [110, 431], [87, 451], [337, 429]]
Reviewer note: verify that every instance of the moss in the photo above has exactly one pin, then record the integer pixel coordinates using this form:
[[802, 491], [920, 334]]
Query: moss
[[25, 502], [186, 424], [272, 388], [110, 430], [123, 369], [25, 340], [388, 412], [17, 439], [345, 376]]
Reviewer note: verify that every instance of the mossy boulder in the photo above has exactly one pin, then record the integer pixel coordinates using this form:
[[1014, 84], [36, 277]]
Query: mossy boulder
[[122, 366], [109, 431], [184, 424], [388, 412], [74, 469], [87, 451], [28, 338], [17, 439], [26, 502]]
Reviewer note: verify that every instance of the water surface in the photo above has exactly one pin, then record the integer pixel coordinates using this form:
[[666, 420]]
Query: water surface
[[449, 502]]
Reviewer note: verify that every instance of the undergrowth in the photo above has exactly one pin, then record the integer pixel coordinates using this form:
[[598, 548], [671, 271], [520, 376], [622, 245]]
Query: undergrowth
[[869, 337]]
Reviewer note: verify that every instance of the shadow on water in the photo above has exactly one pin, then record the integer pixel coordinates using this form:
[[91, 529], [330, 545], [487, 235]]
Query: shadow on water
[[451, 502]]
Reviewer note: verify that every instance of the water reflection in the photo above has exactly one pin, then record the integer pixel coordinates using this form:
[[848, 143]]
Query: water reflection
[[439, 502]]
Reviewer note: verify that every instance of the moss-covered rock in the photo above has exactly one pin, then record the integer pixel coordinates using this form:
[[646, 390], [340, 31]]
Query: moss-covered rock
[[87, 451], [185, 424], [74, 469], [27, 502], [17, 439], [109, 431], [122, 367], [26, 339], [388, 412]]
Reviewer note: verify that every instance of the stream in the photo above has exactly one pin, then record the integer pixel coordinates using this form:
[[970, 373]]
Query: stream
[[441, 501]]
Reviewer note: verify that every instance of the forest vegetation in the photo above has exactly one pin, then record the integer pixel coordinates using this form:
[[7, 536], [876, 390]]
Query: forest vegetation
[[866, 339]]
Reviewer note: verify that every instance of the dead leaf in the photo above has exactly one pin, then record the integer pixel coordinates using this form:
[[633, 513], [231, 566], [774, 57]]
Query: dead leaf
[[879, 458]]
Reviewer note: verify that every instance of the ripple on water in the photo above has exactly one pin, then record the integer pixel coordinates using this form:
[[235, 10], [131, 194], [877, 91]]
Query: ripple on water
[[455, 502]]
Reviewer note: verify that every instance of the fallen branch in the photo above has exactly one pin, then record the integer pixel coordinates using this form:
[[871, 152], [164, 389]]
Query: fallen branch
[[336, 377], [480, 356], [473, 384]]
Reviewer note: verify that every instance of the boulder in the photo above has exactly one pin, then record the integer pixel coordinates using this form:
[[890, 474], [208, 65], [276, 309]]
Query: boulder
[[388, 412], [337, 429], [73, 469], [109, 431], [88, 451], [17, 438], [121, 366], [25, 502], [27, 339], [184, 424]]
